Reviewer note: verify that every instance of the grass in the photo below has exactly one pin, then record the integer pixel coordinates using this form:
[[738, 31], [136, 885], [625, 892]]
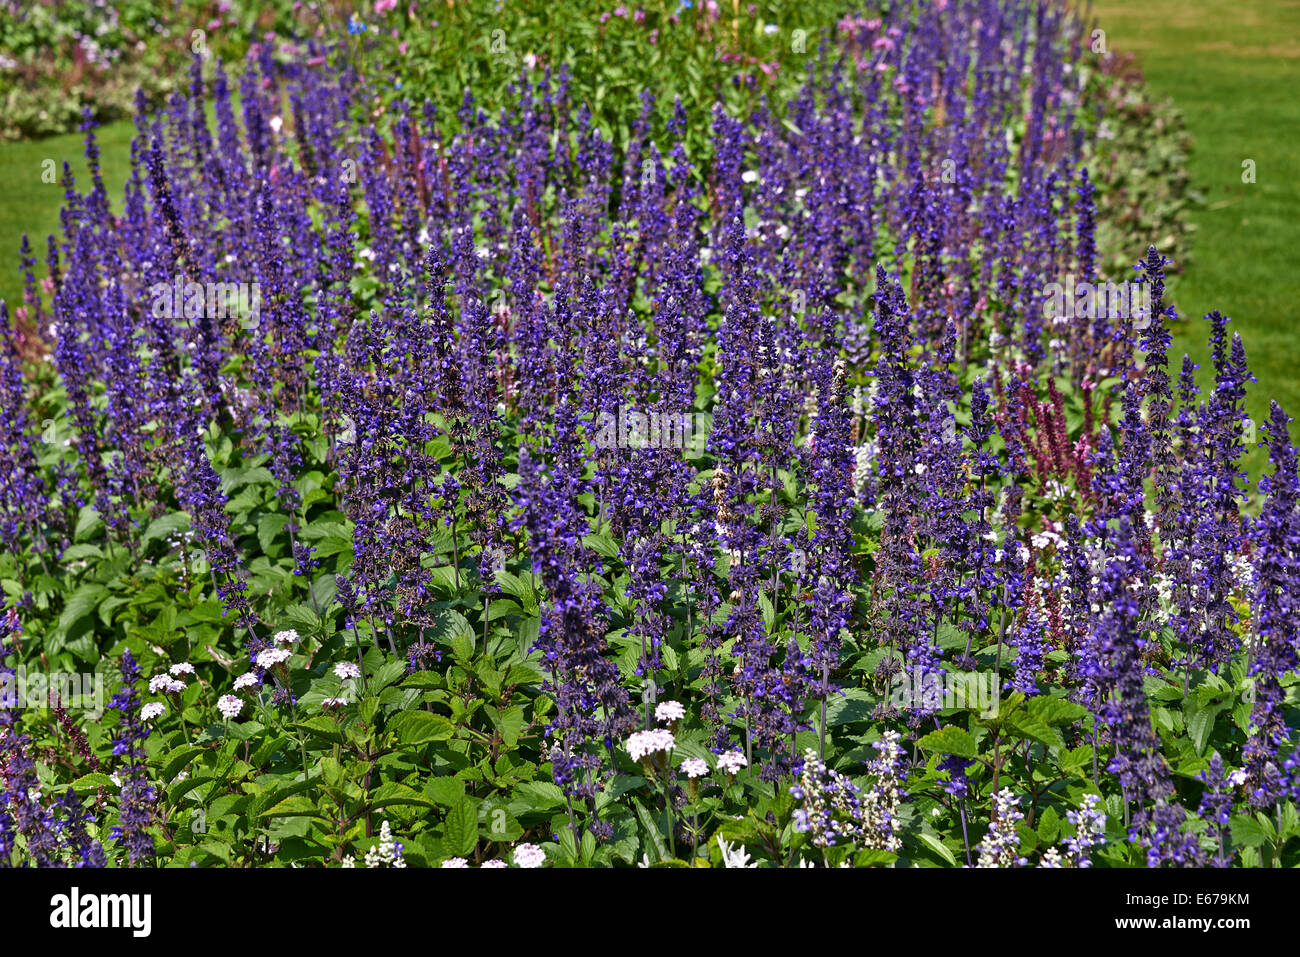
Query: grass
[[1233, 68], [31, 205]]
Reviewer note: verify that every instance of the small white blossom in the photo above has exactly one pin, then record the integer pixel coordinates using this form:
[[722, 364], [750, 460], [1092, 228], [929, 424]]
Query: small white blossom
[[695, 767], [737, 857], [165, 683], [529, 855], [229, 706], [270, 657], [669, 711], [644, 743], [387, 853], [152, 710], [732, 762]]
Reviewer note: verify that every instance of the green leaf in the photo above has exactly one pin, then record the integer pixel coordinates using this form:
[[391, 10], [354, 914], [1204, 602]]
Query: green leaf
[[499, 824], [296, 806], [1246, 832], [1049, 826], [81, 603], [386, 674], [179, 759], [651, 827], [1054, 711], [950, 740], [460, 830], [1201, 725], [268, 529], [510, 723], [164, 527], [1027, 726], [420, 727], [874, 858], [601, 544], [88, 523], [323, 727], [454, 630], [769, 613], [541, 795], [392, 793], [446, 791], [91, 782], [939, 848]]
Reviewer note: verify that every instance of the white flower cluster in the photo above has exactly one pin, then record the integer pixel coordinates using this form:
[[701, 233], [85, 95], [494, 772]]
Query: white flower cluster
[[669, 711], [863, 455], [270, 657], [165, 683], [732, 761], [387, 853], [1001, 844], [695, 767], [880, 802], [1090, 827], [529, 855], [830, 806], [644, 743], [229, 706], [734, 857]]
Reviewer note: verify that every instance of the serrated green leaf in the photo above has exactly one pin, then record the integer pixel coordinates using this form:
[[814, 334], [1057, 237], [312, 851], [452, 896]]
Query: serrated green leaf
[[392, 793], [420, 727], [1054, 711], [1049, 826], [460, 830], [950, 740]]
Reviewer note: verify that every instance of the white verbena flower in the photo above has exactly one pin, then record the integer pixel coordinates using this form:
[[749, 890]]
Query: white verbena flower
[[669, 711], [529, 855], [695, 767], [270, 657], [229, 706], [181, 668], [165, 683], [246, 680], [732, 762], [152, 710], [346, 669], [644, 743]]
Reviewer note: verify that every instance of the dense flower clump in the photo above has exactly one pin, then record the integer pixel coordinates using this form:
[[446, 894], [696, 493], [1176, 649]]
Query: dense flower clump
[[771, 432]]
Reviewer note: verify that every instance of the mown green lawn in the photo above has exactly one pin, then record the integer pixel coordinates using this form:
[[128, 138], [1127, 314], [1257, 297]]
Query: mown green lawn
[[1234, 70], [30, 205]]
